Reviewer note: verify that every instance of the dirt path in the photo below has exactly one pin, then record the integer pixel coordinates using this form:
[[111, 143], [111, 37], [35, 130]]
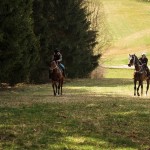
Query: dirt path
[[133, 37]]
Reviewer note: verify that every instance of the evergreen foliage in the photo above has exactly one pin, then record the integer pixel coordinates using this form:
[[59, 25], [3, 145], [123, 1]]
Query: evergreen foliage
[[42, 29], [27, 48], [18, 45], [65, 25]]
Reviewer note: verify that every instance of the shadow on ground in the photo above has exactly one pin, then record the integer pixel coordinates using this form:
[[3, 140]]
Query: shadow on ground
[[102, 122], [32, 118]]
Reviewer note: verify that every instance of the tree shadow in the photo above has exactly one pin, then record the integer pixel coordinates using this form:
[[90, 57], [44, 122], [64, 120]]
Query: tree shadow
[[105, 122], [105, 82]]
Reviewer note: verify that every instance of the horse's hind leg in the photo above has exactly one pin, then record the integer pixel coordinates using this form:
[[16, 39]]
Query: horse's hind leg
[[54, 89], [58, 88], [147, 86], [61, 89], [141, 88], [134, 87], [138, 88], [61, 86]]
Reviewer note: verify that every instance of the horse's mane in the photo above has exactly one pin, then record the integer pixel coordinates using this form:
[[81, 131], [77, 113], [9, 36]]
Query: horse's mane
[[137, 62]]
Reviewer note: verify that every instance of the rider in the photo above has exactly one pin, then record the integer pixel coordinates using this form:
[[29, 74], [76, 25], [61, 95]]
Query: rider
[[144, 61], [57, 57]]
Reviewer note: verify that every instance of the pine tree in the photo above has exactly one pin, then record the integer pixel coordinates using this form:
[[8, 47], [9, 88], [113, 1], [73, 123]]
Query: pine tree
[[41, 15], [68, 28], [74, 36], [18, 44]]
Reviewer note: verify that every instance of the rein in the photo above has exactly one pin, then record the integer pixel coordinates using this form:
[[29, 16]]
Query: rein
[[136, 61]]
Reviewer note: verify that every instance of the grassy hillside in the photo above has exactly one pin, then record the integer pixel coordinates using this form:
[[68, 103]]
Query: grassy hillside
[[129, 24]]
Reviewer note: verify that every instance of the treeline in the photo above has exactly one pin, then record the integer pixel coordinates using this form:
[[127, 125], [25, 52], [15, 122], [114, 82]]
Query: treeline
[[30, 30]]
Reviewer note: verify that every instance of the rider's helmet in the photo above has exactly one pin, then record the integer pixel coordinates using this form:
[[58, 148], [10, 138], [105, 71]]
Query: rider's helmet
[[143, 55]]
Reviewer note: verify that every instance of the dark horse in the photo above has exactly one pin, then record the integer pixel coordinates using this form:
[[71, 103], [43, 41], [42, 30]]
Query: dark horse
[[140, 74], [57, 78]]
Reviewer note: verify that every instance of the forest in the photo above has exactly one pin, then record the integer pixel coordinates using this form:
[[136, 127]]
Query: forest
[[30, 31]]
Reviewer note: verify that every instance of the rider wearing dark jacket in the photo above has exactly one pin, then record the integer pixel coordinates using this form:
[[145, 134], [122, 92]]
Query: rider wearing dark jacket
[[144, 61], [57, 56]]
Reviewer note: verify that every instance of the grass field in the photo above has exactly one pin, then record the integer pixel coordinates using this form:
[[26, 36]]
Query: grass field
[[129, 24], [91, 115]]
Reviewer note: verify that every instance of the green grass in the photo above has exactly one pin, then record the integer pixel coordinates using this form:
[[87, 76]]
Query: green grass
[[118, 73], [126, 17], [91, 115], [129, 24]]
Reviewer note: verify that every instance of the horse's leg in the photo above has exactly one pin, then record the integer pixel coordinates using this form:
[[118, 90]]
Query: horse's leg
[[61, 85], [141, 88], [138, 88], [58, 87], [54, 89], [147, 86], [135, 87]]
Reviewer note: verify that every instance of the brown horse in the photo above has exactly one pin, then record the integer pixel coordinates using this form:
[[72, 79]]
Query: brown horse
[[57, 78], [140, 74]]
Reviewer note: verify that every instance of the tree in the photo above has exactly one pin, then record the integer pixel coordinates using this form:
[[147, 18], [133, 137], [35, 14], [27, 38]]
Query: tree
[[65, 25], [99, 23], [18, 44], [42, 29]]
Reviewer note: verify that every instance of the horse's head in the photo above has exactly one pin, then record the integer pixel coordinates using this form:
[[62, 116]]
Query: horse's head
[[131, 60], [53, 65]]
